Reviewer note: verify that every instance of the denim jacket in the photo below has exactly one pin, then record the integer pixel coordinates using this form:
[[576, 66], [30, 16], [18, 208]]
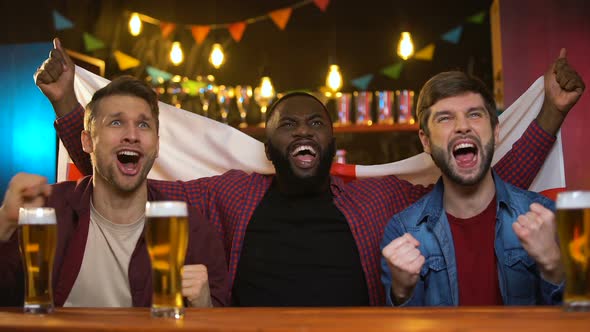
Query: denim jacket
[[426, 220]]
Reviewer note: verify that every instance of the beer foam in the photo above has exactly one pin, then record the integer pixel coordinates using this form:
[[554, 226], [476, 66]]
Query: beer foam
[[573, 200], [36, 216], [166, 209]]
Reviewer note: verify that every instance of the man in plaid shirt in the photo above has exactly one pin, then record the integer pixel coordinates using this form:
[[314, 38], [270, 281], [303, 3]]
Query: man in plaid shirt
[[302, 237]]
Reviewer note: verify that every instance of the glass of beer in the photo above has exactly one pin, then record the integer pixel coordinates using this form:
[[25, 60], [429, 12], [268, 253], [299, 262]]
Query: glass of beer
[[37, 237], [573, 225], [167, 237]]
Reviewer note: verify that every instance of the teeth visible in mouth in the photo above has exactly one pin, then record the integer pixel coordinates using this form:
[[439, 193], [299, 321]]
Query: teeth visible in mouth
[[303, 148], [128, 153], [463, 146]]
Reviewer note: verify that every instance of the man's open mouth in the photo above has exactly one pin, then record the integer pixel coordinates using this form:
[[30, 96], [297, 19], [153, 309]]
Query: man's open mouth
[[128, 161], [304, 155], [465, 154]]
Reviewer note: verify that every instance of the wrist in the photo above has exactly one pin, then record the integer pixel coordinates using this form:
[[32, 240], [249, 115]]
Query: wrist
[[65, 105], [551, 268], [550, 118]]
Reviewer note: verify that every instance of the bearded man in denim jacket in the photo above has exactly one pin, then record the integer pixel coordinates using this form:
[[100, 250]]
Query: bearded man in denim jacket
[[475, 239]]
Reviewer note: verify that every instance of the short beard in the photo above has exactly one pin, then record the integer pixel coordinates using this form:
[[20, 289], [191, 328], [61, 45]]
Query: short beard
[[439, 157], [302, 185]]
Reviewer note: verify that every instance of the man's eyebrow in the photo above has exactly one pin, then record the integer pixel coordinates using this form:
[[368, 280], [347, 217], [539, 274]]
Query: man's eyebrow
[[314, 116], [114, 115]]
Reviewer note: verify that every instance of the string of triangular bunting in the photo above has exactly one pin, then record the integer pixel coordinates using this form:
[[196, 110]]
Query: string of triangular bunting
[[426, 53], [279, 16]]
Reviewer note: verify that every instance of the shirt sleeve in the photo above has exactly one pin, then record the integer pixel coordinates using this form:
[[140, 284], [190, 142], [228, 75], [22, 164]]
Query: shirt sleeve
[[552, 294], [11, 274], [521, 164], [205, 248], [69, 128]]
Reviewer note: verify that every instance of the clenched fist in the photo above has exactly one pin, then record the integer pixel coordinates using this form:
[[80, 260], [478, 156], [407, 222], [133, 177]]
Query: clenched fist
[[195, 285], [537, 232], [405, 262], [24, 190]]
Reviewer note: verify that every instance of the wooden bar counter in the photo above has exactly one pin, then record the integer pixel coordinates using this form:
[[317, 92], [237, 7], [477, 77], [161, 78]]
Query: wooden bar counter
[[533, 319]]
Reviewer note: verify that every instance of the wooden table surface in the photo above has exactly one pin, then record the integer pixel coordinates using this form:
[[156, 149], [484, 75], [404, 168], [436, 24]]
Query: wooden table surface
[[534, 319]]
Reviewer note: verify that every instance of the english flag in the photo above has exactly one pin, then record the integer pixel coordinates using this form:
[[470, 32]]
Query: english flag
[[192, 146]]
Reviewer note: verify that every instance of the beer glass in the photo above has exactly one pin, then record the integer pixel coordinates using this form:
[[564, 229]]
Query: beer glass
[[167, 237], [573, 226], [37, 237]]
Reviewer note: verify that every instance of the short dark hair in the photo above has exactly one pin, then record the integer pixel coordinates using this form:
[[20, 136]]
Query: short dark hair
[[122, 86], [276, 103], [451, 84]]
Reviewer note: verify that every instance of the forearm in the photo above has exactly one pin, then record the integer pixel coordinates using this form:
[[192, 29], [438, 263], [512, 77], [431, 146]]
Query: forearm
[[550, 118], [66, 105]]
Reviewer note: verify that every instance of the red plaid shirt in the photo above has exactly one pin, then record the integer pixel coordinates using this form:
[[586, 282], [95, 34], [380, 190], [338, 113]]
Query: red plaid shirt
[[229, 200]]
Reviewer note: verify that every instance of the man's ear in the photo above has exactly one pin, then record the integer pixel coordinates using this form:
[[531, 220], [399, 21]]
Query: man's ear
[[425, 141], [86, 138]]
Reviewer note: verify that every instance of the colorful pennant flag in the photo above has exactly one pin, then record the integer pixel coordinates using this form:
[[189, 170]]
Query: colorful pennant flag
[[394, 70], [477, 18], [92, 43], [362, 82], [322, 4], [200, 32], [426, 53], [125, 61], [60, 22], [192, 87], [237, 30], [453, 36], [167, 28], [157, 74], [281, 17]]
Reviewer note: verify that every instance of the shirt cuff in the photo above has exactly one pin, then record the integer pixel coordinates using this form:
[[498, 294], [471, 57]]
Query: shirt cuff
[[553, 293], [74, 117], [538, 133]]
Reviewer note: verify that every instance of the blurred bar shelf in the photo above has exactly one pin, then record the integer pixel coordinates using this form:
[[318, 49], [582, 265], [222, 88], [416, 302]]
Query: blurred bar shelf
[[347, 129]]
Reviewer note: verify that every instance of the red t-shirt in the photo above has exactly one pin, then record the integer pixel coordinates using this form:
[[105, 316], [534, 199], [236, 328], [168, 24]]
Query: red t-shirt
[[476, 260]]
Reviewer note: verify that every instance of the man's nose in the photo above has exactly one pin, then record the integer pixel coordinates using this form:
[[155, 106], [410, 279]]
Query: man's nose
[[303, 130], [131, 134], [462, 124]]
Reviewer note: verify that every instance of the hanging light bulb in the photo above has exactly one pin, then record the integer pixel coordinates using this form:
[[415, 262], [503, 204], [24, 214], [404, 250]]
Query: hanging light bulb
[[263, 95], [266, 88], [216, 57], [405, 48], [135, 25], [176, 55], [334, 78]]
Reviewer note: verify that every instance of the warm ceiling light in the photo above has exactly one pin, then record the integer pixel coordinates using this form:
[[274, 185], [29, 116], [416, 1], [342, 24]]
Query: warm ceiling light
[[216, 57], [334, 79], [176, 55], [135, 25], [405, 48]]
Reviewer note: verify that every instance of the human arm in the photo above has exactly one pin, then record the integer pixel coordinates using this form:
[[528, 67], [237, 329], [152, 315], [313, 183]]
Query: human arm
[[563, 87], [24, 190], [401, 262], [537, 232], [55, 79]]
